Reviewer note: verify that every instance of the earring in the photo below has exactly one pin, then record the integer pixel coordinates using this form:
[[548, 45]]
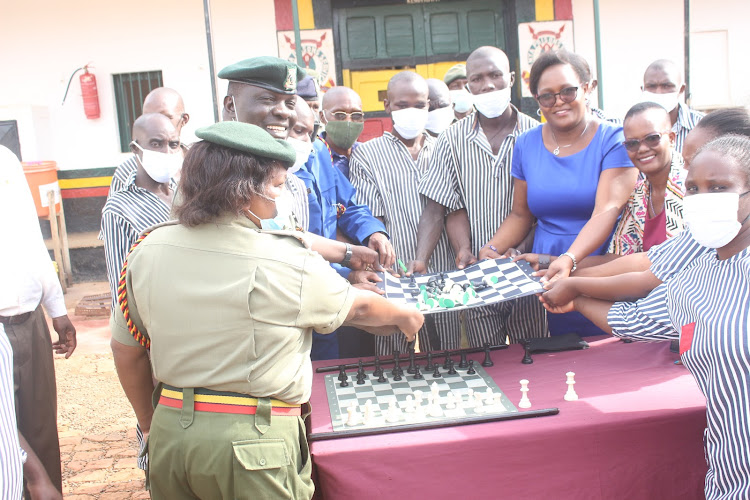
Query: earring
[[538, 111]]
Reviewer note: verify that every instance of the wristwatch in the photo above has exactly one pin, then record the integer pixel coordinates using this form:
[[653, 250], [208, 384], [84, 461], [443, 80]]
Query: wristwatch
[[347, 255]]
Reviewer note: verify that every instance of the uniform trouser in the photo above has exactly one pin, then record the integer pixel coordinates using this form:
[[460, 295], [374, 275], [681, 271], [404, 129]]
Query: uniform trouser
[[35, 390], [518, 319], [214, 456]]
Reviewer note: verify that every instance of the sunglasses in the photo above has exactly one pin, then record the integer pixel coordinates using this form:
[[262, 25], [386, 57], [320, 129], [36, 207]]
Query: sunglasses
[[567, 94], [651, 141], [339, 116]]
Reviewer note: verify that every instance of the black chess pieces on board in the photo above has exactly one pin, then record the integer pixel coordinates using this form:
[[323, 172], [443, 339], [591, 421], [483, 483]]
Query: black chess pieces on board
[[378, 370], [527, 359], [451, 368], [463, 364], [410, 369], [381, 377], [418, 373], [487, 359], [361, 374], [447, 362], [471, 370], [343, 377], [429, 366], [397, 376], [396, 363], [436, 373]]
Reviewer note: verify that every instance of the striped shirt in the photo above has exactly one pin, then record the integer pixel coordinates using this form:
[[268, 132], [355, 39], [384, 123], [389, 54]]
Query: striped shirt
[[12, 456], [687, 119], [709, 310], [674, 255], [386, 178], [122, 173], [466, 174], [300, 205]]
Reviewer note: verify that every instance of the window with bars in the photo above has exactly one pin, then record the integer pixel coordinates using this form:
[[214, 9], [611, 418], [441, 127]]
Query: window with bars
[[130, 91]]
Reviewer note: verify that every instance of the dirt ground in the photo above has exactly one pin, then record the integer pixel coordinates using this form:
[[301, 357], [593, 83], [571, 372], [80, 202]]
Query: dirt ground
[[95, 421]]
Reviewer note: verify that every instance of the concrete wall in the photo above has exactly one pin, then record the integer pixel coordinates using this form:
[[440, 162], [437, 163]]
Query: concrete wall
[[637, 32], [43, 42]]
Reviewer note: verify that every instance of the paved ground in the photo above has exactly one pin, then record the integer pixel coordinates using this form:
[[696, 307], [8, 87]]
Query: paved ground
[[95, 421]]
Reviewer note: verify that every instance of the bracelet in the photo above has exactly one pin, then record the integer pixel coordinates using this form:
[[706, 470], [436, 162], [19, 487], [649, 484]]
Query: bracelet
[[544, 260], [573, 258], [347, 255], [491, 247]]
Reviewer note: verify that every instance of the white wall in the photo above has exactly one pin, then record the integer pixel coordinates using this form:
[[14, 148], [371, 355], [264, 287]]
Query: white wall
[[43, 42]]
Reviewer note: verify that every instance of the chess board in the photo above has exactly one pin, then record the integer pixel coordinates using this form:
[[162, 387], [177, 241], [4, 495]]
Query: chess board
[[507, 280], [380, 395]]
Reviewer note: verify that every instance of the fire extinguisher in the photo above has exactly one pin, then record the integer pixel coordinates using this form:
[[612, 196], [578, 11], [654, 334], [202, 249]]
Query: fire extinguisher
[[88, 91]]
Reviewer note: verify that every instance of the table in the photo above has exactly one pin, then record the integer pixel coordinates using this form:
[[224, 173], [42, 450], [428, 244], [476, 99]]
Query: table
[[636, 432]]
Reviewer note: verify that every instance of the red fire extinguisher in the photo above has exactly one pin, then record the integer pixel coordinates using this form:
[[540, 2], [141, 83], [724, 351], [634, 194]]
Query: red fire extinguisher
[[88, 91]]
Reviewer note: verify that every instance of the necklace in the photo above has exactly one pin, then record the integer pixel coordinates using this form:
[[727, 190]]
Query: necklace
[[651, 200], [556, 151]]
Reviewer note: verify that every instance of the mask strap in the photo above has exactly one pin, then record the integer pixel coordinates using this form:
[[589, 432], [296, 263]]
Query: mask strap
[[234, 105]]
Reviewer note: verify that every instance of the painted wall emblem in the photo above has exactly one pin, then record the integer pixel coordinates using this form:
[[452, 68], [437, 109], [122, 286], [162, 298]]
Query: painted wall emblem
[[537, 38], [317, 53]]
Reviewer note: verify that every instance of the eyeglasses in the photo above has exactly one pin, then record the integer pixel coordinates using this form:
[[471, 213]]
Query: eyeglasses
[[567, 94], [651, 141], [340, 116]]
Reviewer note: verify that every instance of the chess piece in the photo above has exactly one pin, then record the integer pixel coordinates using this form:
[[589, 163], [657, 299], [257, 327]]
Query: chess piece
[[418, 397], [525, 402], [394, 413], [353, 416], [436, 373], [451, 401], [487, 360], [409, 404], [571, 395], [361, 374], [418, 373], [451, 369], [527, 360], [429, 366], [378, 369], [410, 370], [397, 377], [471, 370], [447, 362], [463, 363], [396, 363], [489, 397], [381, 377]]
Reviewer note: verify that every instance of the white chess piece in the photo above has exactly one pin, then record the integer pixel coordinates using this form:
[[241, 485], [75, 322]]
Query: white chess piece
[[368, 413], [451, 401], [525, 401], [353, 418], [418, 397], [394, 413], [489, 397], [436, 411], [435, 390], [409, 404], [571, 395]]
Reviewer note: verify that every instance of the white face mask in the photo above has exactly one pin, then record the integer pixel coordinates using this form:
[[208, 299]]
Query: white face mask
[[159, 166], [666, 101], [283, 218], [303, 150], [462, 101], [492, 104], [439, 119], [712, 217], [409, 122]]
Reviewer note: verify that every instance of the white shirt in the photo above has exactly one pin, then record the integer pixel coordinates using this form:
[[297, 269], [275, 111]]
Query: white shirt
[[27, 276]]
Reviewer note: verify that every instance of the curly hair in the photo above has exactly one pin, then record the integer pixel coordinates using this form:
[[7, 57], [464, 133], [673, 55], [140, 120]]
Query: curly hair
[[217, 180]]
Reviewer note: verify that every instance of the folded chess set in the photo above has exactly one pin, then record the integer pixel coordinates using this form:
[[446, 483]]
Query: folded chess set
[[393, 399]]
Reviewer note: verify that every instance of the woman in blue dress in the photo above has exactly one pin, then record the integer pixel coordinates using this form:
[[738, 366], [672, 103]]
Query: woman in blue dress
[[572, 178]]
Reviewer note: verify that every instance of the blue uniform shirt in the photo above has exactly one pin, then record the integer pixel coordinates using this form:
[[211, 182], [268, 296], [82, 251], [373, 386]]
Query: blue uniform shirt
[[328, 191]]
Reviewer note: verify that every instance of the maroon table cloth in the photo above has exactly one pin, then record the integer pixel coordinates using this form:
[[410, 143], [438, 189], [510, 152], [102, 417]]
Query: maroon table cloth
[[636, 432]]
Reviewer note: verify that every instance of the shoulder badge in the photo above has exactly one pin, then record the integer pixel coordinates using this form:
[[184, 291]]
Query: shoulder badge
[[290, 84]]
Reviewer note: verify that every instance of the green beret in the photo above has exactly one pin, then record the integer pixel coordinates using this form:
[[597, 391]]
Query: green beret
[[272, 73], [456, 72], [248, 138]]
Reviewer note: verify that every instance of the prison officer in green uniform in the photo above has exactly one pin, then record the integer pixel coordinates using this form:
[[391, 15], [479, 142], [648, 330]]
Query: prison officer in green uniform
[[228, 309]]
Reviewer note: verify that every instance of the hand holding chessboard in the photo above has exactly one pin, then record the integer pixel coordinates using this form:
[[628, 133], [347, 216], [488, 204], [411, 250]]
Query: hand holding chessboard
[[481, 284]]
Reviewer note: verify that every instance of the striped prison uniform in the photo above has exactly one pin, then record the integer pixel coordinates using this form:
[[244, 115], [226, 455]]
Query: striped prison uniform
[[708, 310], [386, 178], [687, 119], [464, 173], [125, 215], [12, 456]]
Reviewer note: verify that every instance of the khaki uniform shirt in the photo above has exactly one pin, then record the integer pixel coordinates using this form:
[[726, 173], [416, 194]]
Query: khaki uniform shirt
[[231, 308]]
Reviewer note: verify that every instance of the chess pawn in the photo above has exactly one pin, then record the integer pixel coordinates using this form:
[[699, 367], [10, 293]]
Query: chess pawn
[[451, 401], [418, 397], [489, 397], [394, 413], [353, 417], [571, 395], [409, 404], [525, 402]]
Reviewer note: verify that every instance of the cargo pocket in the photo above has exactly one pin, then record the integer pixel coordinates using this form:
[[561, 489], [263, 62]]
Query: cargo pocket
[[261, 469], [303, 486]]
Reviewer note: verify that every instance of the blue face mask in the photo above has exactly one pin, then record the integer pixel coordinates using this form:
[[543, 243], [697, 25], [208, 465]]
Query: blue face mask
[[282, 220]]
